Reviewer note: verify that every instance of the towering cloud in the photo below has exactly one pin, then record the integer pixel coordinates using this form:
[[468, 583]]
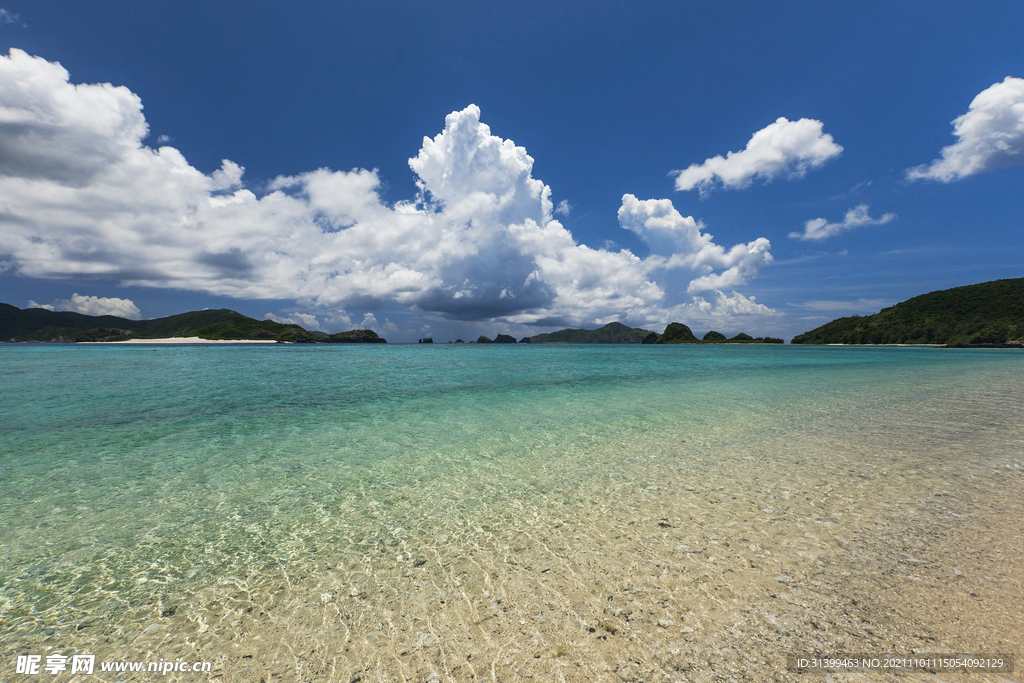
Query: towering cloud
[[784, 148], [990, 135], [83, 196], [658, 223]]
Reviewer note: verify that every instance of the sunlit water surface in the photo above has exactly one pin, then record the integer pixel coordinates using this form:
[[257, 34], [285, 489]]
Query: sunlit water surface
[[458, 513]]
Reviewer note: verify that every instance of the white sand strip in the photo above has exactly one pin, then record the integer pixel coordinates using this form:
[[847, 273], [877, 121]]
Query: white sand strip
[[188, 340]]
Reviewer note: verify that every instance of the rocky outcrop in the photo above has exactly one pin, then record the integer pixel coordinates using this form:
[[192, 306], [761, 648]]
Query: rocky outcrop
[[355, 337], [676, 333]]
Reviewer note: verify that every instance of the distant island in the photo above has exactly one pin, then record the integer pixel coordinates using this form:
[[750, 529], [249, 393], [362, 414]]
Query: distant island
[[617, 333], [678, 333], [612, 333], [983, 315], [41, 325]]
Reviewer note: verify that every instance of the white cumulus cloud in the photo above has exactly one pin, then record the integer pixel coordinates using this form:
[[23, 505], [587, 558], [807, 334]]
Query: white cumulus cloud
[[82, 196], [723, 312], [784, 148], [737, 304], [990, 135], [668, 232], [305, 320], [94, 305], [819, 228]]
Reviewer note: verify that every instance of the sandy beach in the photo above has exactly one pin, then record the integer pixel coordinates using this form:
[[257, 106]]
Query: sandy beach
[[187, 340]]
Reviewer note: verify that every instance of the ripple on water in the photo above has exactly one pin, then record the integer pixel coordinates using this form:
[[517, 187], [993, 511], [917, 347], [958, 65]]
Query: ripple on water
[[605, 520]]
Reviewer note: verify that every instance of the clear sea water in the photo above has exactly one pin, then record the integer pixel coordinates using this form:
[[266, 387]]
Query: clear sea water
[[414, 512]]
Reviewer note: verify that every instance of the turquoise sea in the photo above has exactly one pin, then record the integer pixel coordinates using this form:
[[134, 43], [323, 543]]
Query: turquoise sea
[[577, 512]]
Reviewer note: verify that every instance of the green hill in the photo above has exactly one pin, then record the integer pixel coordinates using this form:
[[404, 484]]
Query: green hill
[[354, 337], [678, 333], [37, 324], [617, 333], [612, 333], [990, 313], [675, 333]]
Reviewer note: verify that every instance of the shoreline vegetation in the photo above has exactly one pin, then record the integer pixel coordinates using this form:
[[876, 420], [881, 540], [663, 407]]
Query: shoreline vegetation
[[225, 325], [184, 340], [985, 315], [220, 325]]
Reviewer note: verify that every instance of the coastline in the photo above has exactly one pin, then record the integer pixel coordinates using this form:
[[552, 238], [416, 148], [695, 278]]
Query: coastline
[[184, 340]]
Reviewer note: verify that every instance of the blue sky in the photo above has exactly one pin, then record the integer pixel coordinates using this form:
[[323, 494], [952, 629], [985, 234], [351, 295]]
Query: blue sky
[[607, 99]]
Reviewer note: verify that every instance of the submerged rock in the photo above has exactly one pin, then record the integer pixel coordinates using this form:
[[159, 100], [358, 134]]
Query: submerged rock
[[628, 672]]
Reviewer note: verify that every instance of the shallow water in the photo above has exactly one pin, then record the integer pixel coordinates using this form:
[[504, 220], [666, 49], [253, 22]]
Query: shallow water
[[509, 512]]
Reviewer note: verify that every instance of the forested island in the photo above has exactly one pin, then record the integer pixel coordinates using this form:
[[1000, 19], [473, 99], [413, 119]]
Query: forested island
[[983, 315], [41, 325], [612, 333], [617, 333], [678, 333]]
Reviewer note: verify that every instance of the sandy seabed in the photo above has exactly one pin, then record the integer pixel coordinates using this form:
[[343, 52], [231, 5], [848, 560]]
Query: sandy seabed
[[690, 575], [703, 554]]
